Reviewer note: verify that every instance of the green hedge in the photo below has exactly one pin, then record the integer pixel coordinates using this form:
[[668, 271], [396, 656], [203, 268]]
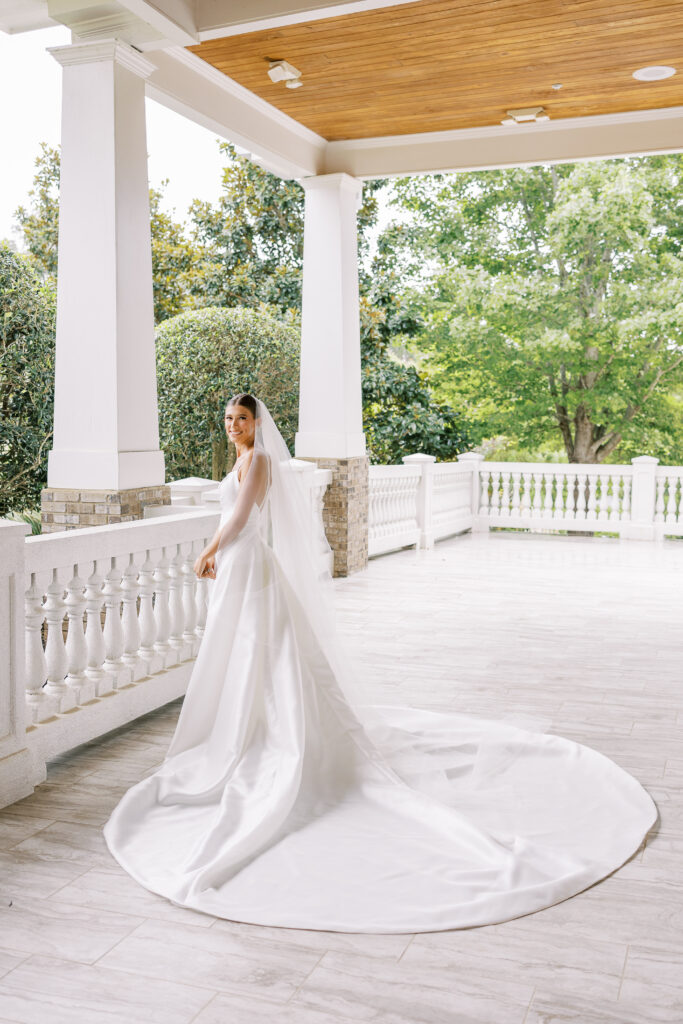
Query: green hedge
[[205, 356]]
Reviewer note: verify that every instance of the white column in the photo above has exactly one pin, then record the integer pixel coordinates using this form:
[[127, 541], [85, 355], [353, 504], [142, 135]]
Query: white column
[[330, 403], [106, 431]]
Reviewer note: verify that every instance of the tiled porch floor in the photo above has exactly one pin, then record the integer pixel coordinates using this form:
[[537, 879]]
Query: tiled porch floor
[[581, 636]]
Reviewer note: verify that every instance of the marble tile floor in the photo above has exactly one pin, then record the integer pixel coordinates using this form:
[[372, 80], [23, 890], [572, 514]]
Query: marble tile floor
[[580, 636]]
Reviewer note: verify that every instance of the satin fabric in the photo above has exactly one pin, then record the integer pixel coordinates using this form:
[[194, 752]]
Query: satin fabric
[[275, 805]]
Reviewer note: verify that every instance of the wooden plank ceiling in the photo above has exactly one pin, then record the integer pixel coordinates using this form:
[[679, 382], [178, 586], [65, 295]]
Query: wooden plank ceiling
[[444, 64]]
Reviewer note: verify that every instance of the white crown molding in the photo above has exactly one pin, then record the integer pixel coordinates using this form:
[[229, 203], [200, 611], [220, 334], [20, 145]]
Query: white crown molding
[[253, 22], [338, 180], [229, 85], [102, 50], [506, 131]]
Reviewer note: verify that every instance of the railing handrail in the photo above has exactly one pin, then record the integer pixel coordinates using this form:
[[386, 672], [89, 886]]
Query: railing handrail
[[57, 550]]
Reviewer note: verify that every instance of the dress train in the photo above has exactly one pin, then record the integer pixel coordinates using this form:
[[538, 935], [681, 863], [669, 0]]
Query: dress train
[[276, 805]]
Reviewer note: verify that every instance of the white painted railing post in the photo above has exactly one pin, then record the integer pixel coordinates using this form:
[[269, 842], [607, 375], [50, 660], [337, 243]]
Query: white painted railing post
[[643, 496], [475, 460], [425, 496], [19, 772]]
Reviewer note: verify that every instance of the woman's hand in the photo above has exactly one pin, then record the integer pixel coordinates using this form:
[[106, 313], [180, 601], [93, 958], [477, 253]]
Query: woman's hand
[[205, 566]]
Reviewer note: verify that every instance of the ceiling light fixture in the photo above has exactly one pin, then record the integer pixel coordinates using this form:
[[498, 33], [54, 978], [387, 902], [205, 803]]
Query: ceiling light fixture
[[654, 73], [525, 115], [558, 85], [283, 71]]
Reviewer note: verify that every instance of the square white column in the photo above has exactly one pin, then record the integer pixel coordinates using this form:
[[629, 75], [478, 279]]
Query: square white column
[[330, 402], [106, 432]]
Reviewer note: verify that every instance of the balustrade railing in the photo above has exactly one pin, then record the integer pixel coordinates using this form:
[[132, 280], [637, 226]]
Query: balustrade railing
[[101, 625], [423, 500]]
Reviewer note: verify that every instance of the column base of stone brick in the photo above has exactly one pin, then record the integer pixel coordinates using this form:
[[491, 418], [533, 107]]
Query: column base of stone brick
[[345, 512], [64, 508]]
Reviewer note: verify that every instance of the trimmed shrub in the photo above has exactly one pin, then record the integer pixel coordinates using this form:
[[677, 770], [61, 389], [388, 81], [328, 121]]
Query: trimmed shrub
[[203, 357], [27, 370]]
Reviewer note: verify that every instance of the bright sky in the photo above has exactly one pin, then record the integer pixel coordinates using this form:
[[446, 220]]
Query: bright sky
[[30, 85]]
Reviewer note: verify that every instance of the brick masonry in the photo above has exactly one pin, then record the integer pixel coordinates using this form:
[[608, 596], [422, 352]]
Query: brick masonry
[[65, 509], [345, 512]]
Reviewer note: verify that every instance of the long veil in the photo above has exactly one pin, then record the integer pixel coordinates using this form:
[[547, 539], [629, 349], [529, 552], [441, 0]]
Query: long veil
[[300, 546], [408, 751]]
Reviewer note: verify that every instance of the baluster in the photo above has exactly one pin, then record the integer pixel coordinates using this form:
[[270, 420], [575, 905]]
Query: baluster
[[113, 629], [102, 680], [536, 499], [161, 612], [76, 647], [591, 490], [626, 498], [545, 489], [175, 605], [488, 504], [552, 496], [515, 498], [381, 508], [505, 494], [39, 705], [147, 619], [605, 482], [189, 601], [202, 601], [617, 500], [525, 493], [129, 621], [675, 501], [573, 496], [55, 651], [660, 504]]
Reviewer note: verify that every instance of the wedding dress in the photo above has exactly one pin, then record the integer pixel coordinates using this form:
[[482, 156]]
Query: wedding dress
[[284, 799]]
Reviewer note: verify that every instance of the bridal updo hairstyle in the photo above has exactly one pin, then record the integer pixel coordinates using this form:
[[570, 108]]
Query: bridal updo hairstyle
[[248, 401]]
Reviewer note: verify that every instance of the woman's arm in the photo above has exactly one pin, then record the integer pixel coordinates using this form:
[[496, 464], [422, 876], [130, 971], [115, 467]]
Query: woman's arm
[[252, 490]]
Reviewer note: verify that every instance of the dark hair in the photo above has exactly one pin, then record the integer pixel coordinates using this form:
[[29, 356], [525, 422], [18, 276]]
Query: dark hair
[[248, 401]]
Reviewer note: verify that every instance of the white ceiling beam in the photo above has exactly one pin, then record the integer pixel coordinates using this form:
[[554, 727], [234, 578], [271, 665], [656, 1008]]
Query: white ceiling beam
[[563, 141], [190, 86], [173, 19], [218, 18]]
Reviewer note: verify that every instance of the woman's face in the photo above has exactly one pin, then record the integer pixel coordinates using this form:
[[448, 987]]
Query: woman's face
[[240, 425]]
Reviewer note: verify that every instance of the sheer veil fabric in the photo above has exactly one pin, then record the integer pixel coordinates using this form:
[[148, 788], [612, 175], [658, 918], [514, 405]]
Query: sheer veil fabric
[[287, 798]]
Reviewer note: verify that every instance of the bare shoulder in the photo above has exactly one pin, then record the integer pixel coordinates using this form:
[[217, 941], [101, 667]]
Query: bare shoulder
[[256, 462]]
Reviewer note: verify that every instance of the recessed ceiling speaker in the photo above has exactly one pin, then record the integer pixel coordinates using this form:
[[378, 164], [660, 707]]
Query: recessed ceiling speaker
[[654, 73]]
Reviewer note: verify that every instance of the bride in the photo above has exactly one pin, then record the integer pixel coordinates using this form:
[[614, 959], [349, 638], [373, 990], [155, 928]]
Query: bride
[[285, 798]]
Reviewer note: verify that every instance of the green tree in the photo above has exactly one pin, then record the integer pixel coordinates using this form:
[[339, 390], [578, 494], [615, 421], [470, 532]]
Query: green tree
[[205, 356], [554, 299], [178, 266], [40, 222], [254, 239], [27, 339], [400, 415]]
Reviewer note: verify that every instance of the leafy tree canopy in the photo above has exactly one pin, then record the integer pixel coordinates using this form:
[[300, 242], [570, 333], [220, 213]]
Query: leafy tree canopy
[[553, 300]]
